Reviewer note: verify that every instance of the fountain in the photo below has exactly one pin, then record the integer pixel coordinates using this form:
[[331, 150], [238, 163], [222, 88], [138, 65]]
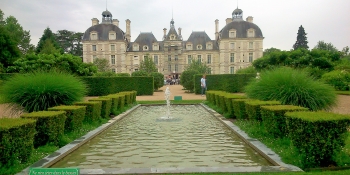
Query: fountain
[[167, 116]]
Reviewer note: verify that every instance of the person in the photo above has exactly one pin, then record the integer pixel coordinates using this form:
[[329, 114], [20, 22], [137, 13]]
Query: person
[[203, 85]]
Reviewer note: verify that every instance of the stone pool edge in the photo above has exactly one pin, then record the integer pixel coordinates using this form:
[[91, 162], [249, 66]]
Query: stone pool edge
[[267, 153]]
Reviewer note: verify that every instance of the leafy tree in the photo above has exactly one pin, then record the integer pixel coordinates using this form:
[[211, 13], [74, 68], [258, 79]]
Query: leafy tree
[[270, 50], [102, 65], [9, 51], [321, 45], [139, 73], [70, 42], [49, 48], [195, 67], [345, 51], [2, 22], [147, 65], [47, 35], [301, 39]]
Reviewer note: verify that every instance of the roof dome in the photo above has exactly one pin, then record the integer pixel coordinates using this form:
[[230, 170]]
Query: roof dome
[[106, 13], [103, 32], [241, 28], [237, 11]]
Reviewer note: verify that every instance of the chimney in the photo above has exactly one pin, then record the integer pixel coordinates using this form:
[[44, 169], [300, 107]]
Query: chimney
[[94, 21], [164, 30], [216, 29], [116, 22], [228, 20], [127, 34], [250, 19], [179, 30]]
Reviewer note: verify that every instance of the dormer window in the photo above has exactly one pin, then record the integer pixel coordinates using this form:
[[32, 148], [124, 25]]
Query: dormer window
[[251, 33], [189, 47], [135, 47], [209, 46], [93, 36], [232, 33], [145, 47], [112, 35], [172, 37], [155, 47], [199, 47]]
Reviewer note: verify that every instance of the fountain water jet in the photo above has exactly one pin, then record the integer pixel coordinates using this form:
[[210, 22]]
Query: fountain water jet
[[167, 116]]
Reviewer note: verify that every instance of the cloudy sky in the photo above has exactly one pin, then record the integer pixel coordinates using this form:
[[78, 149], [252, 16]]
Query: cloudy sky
[[279, 20]]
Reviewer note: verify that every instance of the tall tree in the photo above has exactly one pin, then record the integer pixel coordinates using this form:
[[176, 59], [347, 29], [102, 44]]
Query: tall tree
[[147, 65], [301, 39], [48, 35], [70, 42], [321, 45], [20, 36], [8, 48], [49, 48]]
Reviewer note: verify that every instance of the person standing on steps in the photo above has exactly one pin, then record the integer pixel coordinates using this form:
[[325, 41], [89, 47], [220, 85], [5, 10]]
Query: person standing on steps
[[203, 85]]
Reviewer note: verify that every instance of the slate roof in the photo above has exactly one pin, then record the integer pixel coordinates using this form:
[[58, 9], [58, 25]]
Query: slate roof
[[146, 38], [241, 29], [103, 32], [201, 38]]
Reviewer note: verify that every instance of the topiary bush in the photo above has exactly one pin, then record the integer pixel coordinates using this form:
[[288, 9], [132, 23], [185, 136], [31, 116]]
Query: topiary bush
[[292, 87], [40, 90]]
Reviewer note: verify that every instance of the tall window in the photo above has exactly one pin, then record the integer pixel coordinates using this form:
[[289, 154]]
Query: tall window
[[176, 68], [232, 70], [176, 57], [112, 59], [232, 45], [189, 59], [94, 57], [199, 57], [94, 48], [113, 70], [232, 57], [112, 47], [155, 59], [169, 67], [208, 59], [250, 45], [250, 57], [169, 57]]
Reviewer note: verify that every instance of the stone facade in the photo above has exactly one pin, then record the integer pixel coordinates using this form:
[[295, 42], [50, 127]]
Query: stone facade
[[235, 46]]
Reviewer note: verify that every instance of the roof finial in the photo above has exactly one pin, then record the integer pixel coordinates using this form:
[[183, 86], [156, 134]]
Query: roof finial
[[237, 4], [106, 4]]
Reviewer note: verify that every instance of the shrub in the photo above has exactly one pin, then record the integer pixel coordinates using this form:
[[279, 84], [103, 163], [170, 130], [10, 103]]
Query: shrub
[[274, 120], [187, 79], [40, 90], [106, 106], [318, 136], [253, 108], [339, 79], [158, 80], [247, 70], [292, 87], [139, 73], [93, 110], [75, 116], [238, 106], [16, 140], [49, 126], [123, 74]]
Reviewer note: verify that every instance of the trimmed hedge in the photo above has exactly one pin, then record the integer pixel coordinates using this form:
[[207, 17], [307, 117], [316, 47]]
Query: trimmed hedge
[[253, 108], [238, 106], [93, 110], [318, 136], [228, 102], [49, 126], [106, 106], [274, 120], [75, 116], [231, 83], [16, 140], [115, 103], [101, 86]]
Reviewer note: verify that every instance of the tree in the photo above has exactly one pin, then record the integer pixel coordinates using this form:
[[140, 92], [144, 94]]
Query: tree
[[20, 36], [301, 39], [9, 51], [48, 35], [270, 50], [198, 66], [102, 65], [321, 45], [148, 65], [70, 42], [345, 51], [48, 48], [195, 67]]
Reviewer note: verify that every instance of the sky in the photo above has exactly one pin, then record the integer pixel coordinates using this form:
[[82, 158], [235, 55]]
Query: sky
[[279, 20]]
